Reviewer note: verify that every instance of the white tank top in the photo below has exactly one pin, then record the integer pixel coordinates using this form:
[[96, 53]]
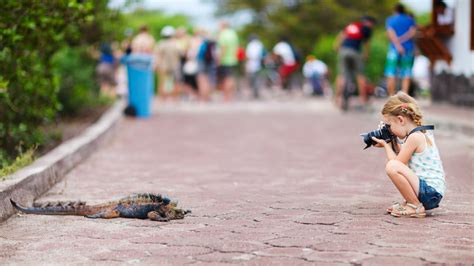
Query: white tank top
[[427, 165]]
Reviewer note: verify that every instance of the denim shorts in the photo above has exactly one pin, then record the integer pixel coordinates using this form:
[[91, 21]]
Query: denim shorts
[[428, 196]]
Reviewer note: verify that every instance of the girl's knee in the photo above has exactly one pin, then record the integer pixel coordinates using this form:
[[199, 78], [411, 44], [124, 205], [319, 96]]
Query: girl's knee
[[392, 167]]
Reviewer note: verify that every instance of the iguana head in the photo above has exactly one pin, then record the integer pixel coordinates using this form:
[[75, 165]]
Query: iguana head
[[173, 212]]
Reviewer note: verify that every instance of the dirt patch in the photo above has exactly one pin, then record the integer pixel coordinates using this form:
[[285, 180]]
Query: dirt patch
[[66, 128]]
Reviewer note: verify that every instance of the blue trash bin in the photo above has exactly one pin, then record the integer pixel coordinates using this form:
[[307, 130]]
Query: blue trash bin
[[140, 83]]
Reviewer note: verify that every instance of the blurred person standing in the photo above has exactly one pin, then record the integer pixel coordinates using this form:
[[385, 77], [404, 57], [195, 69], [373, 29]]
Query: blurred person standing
[[167, 62], [289, 63], [207, 60], [315, 71], [143, 42], [228, 43], [401, 30], [254, 53], [181, 39], [191, 65], [352, 45], [106, 70], [444, 14]]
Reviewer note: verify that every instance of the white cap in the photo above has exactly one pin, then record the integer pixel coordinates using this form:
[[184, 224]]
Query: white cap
[[167, 31]]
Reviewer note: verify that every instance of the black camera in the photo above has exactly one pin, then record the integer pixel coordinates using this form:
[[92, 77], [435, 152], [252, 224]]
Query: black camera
[[382, 133]]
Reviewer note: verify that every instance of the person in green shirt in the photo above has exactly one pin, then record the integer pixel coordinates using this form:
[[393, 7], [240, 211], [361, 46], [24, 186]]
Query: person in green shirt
[[227, 43]]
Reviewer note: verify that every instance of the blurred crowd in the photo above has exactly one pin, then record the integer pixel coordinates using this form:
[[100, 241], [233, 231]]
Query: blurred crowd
[[202, 66]]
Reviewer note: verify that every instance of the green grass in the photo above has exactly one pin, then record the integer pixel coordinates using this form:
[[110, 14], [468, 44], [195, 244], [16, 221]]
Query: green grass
[[21, 161]]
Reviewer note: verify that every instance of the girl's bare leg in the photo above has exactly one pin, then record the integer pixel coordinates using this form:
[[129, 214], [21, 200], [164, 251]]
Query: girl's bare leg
[[405, 180]]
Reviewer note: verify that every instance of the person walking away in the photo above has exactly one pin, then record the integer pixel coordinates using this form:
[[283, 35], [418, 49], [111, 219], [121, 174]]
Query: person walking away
[[167, 63], [106, 71], [143, 43], [227, 43], [352, 45], [401, 30], [415, 166], [207, 60], [315, 71], [254, 54], [191, 66], [288, 65]]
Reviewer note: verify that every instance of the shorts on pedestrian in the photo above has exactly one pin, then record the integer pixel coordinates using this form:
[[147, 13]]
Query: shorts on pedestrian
[[428, 196], [106, 74], [191, 80], [399, 64], [349, 61], [286, 71], [224, 72]]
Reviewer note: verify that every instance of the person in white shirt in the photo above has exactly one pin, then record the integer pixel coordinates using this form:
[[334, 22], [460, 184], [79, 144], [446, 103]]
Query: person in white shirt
[[288, 61], [445, 14], [316, 72], [254, 53]]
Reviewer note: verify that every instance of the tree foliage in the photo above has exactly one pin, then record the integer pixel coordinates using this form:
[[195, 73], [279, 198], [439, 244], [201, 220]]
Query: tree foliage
[[303, 21], [31, 32], [154, 19]]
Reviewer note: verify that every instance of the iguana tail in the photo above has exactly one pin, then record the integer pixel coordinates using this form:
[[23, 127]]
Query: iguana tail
[[60, 208]]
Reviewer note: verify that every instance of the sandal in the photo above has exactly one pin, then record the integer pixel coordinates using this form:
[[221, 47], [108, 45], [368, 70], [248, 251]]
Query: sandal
[[395, 205], [405, 212]]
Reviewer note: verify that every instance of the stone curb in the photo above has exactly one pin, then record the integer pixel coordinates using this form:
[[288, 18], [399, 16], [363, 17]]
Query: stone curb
[[32, 181]]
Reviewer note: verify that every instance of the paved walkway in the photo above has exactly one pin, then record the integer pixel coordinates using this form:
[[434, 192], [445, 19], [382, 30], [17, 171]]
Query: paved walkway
[[284, 183]]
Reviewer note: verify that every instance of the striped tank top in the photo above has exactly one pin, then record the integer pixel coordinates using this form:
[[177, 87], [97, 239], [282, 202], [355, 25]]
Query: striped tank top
[[427, 165]]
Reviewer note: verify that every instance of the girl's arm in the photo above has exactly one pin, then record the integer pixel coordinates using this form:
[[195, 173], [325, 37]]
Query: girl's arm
[[406, 150]]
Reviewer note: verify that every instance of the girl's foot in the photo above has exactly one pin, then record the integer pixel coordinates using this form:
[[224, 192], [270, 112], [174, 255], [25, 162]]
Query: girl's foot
[[395, 205], [410, 210]]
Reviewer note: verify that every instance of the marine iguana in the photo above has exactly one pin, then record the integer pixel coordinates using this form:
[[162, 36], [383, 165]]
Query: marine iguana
[[140, 206]]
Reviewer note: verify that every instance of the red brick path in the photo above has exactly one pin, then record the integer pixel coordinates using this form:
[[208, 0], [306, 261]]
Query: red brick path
[[277, 184]]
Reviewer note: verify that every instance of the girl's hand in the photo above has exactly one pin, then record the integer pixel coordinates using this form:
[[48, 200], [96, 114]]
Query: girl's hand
[[380, 143]]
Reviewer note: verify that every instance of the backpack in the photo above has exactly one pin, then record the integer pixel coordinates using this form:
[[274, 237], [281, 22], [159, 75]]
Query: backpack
[[209, 52], [354, 31]]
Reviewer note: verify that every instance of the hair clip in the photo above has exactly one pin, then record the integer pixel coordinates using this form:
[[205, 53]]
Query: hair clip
[[405, 107]]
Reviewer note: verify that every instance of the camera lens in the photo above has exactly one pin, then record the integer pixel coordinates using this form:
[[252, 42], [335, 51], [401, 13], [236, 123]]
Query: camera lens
[[383, 133]]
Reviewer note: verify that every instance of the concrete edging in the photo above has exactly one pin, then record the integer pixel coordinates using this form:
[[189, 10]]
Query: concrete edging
[[32, 181]]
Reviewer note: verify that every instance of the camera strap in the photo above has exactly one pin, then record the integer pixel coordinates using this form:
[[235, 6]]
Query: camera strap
[[421, 128]]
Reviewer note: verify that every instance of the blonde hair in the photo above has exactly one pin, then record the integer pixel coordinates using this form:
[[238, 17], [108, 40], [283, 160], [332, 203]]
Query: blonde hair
[[404, 105]]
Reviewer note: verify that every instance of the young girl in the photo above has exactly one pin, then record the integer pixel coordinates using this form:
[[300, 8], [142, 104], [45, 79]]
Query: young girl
[[415, 168]]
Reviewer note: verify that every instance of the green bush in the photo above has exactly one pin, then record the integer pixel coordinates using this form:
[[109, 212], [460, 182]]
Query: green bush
[[74, 70], [375, 65], [22, 160], [30, 33]]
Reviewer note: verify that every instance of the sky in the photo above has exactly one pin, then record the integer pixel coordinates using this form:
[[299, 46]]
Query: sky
[[205, 16]]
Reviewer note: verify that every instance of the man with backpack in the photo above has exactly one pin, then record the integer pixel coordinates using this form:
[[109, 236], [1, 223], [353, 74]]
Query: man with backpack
[[352, 45]]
